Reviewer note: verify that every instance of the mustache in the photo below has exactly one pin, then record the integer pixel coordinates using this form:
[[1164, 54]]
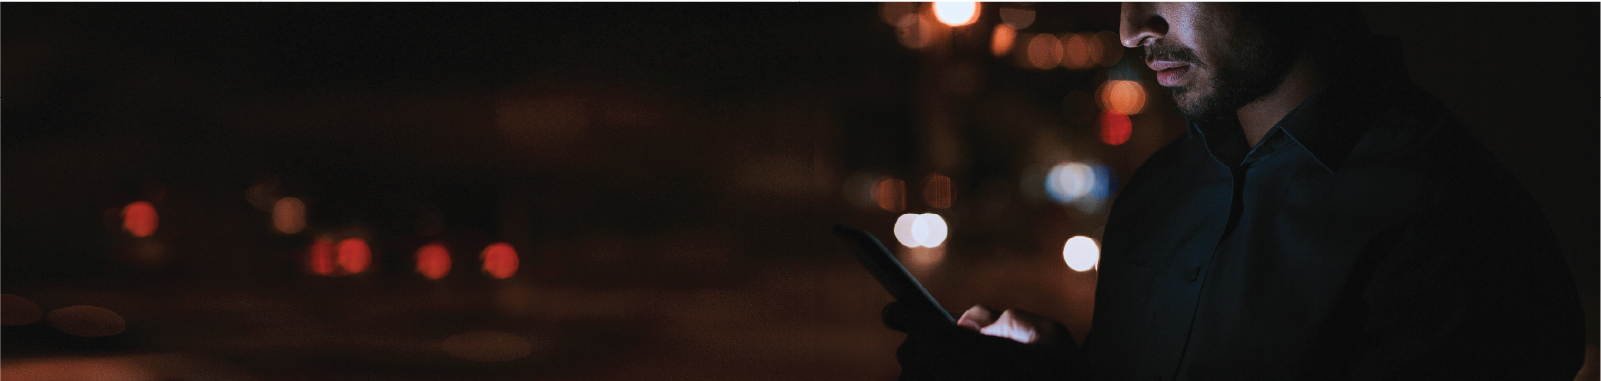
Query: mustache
[[1171, 52]]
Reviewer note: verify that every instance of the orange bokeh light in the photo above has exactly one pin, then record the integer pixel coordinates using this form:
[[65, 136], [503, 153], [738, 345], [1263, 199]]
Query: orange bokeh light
[[890, 194], [1044, 51], [1121, 96], [433, 261], [937, 191], [87, 321], [1002, 39], [139, 219], [17, 310], [500, 260], [354, 255], [1077, 52], [1115, 128], [289, 215], [1111, 49], [320, 258]]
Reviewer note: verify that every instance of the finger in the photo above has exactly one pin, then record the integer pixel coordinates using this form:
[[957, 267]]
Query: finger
[[1009, 326], [977, 318]]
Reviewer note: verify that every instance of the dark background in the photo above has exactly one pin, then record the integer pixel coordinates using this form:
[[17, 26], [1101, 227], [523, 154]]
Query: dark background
[[670, 204]]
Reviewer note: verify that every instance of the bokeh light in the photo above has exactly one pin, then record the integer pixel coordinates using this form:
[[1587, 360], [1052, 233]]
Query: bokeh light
[[1044, 51], [487, 346], [1077, 52], [921, 230], [892, 12], [937, 191], [433, 261], [914, 31], [320, 258], [354, 255], [1068, 182], [956, 13], [1002, 39], [289, 215], [1122, 96], [1081, 253], [1115, 127], [1017, 17], [890, 194], [139, 219], [1111, 48], [17, 310], [87, 321], [500, 260]]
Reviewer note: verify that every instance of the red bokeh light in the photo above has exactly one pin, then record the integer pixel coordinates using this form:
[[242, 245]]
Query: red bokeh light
[[1115, 128], [139, 218], [320, 258], [433, 261], [354, 255], [500, 260]]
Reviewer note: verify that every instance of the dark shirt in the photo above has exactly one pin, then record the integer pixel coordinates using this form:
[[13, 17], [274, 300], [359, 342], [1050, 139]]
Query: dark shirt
[[1367, 236]]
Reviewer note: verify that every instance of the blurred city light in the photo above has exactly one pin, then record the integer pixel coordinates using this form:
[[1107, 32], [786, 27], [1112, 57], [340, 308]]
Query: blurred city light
[[1077, 52], [1002, 39], [956, 13], [433, 261], [1122, 96], [890, 194], [320, 258], [921, 230], [17, 310], [262, 195], [1044, 51], [914, 31], [1068, 182], [1017, 17], [289, 215], [1081, 253], [354, 255], [87, 321], [937, 191], [500, 260], [892, 12], [1111, 49], [139, 219], [1115, 127], [487, 346]]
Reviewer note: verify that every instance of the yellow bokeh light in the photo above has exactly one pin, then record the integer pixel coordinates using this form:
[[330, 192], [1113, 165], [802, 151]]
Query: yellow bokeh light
[[1081, 253], [956, 13]]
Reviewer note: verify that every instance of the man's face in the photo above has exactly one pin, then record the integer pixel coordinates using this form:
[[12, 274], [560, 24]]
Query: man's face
[[1206, 54]]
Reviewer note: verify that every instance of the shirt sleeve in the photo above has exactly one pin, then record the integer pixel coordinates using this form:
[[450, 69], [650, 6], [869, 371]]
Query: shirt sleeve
[[1472, 287]]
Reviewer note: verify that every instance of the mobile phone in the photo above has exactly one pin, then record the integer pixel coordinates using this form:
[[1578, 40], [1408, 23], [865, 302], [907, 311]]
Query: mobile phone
[[889, 272]]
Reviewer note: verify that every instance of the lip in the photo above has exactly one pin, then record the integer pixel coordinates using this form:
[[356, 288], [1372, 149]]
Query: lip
[[1168, 73]]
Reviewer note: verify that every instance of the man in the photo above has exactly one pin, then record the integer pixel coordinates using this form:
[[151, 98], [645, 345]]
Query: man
[[1321, 219]]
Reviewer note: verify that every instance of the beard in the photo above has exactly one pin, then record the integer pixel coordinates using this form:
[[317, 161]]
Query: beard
[[1249, 67]]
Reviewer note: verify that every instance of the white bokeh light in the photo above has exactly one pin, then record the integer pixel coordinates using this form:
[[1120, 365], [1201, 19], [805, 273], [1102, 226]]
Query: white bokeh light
[[921, 230], [1068, 182], [956, 13], [1081, 253]]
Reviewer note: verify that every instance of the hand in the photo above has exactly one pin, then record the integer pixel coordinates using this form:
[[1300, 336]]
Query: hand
[[938, 350]]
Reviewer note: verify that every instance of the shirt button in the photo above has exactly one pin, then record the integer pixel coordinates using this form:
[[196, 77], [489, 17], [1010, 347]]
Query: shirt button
[[1194, 273]]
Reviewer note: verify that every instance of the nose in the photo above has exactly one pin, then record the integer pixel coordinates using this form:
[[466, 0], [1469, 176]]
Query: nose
[[1139, 25]]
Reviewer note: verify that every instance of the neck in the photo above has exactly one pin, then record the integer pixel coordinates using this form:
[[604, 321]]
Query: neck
[[1259, 116]]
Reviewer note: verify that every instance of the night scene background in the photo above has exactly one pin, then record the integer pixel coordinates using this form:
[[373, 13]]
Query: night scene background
[[258, 191]]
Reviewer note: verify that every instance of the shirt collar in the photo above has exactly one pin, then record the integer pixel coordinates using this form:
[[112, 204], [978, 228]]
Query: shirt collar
[[1329, 123]]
